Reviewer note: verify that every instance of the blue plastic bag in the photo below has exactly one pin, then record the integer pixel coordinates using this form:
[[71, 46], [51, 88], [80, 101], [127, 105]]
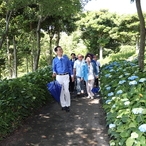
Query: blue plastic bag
[[95, 90]]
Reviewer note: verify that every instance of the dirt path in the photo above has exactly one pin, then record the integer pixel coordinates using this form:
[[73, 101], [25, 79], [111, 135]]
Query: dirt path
[[84, 125]]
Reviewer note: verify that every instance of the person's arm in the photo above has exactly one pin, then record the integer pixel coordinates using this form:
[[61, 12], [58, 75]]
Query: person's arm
[[98, 64], [70, 69], [74, 72], [74, 69], [53, 68], [82, 72], [95, 70]]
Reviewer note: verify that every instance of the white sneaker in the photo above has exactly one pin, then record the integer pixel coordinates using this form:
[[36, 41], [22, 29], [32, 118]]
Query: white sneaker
[[92, 97], [82, 91], [88, 96]]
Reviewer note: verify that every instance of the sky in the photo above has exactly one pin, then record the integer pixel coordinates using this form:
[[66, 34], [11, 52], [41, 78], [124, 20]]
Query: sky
[[118, 6]]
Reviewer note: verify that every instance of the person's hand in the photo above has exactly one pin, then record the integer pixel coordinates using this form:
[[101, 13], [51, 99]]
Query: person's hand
[[54, 75], [72, 79]]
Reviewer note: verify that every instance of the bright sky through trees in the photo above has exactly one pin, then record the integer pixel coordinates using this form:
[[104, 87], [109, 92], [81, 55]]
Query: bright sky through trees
[[118, 6]]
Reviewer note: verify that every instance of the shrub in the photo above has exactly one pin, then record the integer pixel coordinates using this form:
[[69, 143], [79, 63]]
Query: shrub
[[21, 96], [124, 100]]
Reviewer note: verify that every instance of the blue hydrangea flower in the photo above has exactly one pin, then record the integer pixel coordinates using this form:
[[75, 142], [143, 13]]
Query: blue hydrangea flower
[[112, 125], [122, 81], [121, 76], [126, 102], [142, 128], [113, 106], [111, 70], [133, 82], [132, 64], [113, 98], [142, 80], [127, 74], [110, 94], [137, 110], [108, 101], [132, 77], [107, 75], [119, 92], [108, 88]]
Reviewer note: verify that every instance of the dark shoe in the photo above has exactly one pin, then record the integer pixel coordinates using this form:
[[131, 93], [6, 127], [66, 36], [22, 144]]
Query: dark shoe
[[67, 109], [64, 108]]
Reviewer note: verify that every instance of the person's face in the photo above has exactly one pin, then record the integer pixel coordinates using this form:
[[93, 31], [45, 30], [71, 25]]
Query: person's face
[[59, 51], [80, 57], [90, 57], [88, 60], [72, 56], [95, 57]]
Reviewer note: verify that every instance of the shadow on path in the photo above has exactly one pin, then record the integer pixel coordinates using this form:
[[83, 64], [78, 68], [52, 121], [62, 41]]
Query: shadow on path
[[84, 125]]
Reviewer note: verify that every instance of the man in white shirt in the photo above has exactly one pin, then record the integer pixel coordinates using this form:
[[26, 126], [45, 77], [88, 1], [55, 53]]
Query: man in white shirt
[[77, 73]]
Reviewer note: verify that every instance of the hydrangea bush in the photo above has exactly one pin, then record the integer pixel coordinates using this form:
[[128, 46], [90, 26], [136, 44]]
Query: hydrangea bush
[[123, 89]]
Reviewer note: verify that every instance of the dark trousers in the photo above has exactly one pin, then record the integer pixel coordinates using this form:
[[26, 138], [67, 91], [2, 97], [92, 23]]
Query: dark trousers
[[71, 85], [96, 82]]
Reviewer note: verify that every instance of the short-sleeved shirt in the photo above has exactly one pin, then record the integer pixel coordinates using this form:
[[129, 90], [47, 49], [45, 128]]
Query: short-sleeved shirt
[[77, 66]]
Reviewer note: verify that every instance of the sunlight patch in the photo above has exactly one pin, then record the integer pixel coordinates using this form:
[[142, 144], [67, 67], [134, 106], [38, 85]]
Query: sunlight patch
[[95, 101]]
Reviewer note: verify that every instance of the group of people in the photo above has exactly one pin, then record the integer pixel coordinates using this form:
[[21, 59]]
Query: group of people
[[74, 73]]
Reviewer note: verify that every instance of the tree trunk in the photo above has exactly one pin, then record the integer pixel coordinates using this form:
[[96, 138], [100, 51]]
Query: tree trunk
[[14, 59], [101, 53], [37, 56], [27, 70], [142, 36], [58, 38], [32, 51], [8, 16], [137, 45], [9, 59], [50, 51]]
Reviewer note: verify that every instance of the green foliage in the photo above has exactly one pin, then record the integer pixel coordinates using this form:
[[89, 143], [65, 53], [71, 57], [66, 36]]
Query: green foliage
[[99, 30], [124, 53], [20, 97], [128, 29]]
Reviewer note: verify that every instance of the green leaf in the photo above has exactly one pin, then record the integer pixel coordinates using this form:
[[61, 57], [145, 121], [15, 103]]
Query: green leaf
[[129, 141], [144, 111], [142, 140], [133, 124], [124, 134], [124, 119]]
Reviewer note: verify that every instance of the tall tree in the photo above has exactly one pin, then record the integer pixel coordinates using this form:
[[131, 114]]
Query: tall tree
[[53, 8], [142, 35], [6, 14], [98, 29]]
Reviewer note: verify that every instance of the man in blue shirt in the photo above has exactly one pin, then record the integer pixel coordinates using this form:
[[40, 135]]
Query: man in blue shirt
[[72, 84], [61, 70]]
